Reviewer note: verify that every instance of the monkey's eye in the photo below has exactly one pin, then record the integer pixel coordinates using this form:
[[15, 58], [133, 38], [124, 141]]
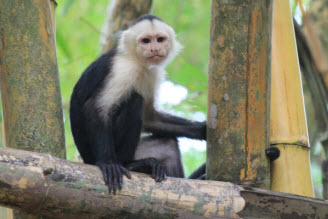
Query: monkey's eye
[[146, 40], [160, 39]]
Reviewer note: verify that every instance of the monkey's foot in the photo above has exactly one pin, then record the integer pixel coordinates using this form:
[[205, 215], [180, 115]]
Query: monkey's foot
[[273, 153], [158, 169], [150, 166], [113, 175]]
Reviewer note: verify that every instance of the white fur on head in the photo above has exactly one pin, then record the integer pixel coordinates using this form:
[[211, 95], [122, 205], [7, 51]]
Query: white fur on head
[[128, 42], [130, 72]]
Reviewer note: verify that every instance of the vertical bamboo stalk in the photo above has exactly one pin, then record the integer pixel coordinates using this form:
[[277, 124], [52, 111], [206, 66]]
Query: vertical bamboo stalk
[[122, 13], [288, 131], [53, 4], [30, 91], [239, 92]]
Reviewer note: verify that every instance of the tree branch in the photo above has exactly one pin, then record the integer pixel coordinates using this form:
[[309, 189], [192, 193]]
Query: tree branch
[[49, 186]]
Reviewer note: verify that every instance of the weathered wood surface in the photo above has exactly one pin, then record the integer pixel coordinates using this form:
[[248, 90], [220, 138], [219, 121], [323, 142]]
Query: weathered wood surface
[[49, 186], [31, 99], [121, 14], [239, 92], [32, 108]]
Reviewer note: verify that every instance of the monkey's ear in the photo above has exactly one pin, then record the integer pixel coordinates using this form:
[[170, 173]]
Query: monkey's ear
[[124, 39], [177, 46]]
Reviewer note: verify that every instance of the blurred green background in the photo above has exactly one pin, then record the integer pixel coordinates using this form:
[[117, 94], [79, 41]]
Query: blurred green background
[[80, 30]]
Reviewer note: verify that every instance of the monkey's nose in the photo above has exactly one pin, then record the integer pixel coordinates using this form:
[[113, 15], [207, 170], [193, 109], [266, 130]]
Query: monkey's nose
[[154, 50]]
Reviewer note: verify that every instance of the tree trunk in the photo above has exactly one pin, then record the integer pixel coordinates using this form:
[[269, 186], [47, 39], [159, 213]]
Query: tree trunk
[[239, 92], [122, 13], [30, 91], [45, 185]]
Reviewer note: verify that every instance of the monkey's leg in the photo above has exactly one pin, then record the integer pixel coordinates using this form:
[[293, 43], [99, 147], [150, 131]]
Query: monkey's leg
[[163, 149], [199, 173], [148, 165]]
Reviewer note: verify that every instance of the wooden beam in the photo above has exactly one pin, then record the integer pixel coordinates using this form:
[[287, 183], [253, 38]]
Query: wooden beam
[[48, 186]]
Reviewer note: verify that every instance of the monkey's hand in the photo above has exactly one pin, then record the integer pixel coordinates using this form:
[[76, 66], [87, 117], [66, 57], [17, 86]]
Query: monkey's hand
[[113, 175]]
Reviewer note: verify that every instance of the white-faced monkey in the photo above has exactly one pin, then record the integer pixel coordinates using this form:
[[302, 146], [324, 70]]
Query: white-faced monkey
[[113, 102]]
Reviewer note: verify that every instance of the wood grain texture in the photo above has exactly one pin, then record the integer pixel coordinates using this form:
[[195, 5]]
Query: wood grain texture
[[48, 186], [32, 108], [239, 92]]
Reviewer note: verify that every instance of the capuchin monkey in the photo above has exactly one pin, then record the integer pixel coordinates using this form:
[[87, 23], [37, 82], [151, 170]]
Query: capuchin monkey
[[113, 102]]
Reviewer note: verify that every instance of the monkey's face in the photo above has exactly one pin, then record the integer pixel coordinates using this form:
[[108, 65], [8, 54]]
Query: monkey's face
[[151, 42], [153, 47]]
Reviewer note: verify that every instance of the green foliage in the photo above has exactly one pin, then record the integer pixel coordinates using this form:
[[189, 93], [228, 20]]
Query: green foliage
[[192, 159], [191, 21]]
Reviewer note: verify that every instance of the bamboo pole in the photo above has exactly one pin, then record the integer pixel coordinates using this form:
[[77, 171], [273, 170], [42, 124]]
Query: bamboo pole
[[121, 14], [239, 92], [53, 4], [42, 184], [32, 110], [291, 171]]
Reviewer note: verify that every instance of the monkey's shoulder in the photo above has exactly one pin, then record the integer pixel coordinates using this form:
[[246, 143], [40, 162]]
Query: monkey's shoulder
[[93, 76]]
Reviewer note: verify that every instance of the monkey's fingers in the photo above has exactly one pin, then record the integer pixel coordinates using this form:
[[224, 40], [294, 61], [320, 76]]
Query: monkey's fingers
[[158, 173], [120, 179], [115, 179], [110, 178], [163, 175], [153, 171], [104, 172], [125, 172]]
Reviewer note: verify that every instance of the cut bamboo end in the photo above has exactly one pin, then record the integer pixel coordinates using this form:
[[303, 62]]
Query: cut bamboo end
[[291, 173]]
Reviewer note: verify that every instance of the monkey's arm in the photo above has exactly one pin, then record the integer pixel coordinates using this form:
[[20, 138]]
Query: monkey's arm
[[103, 149], [168, 125]]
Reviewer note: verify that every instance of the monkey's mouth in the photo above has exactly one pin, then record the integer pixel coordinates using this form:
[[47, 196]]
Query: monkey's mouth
[[156, 57]]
